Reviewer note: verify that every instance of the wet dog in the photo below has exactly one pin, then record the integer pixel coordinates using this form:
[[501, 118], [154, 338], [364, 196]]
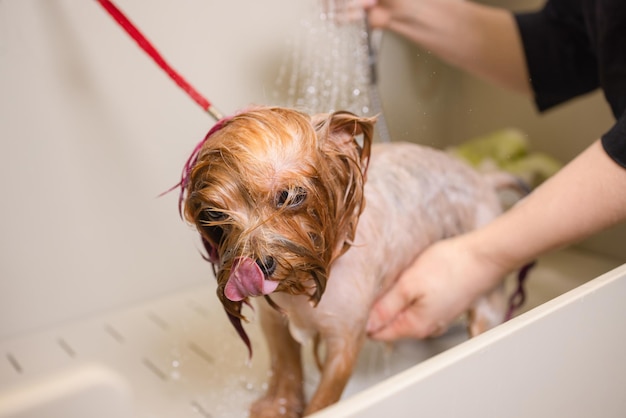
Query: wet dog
[[284, 210]]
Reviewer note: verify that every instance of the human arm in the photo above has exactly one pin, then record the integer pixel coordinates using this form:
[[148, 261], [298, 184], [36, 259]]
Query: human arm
[[586, 196], [480, 39]]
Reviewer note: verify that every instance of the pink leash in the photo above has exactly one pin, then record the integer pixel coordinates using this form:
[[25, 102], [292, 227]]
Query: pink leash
[[518, 297], [141, 40]]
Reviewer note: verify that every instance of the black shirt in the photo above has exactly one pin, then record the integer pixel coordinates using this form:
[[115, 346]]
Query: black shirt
[[573, 47]]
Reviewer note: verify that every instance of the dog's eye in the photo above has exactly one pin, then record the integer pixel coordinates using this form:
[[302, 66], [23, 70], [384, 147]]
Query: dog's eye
[[291, 198], [214, 233], [212, 215]]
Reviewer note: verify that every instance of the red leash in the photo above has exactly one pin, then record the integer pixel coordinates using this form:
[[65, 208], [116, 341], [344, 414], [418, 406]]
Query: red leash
[[141, 40]]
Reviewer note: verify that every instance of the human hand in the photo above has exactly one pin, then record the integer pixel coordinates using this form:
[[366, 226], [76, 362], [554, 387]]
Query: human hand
[[435, 290], [379, 12], [382, 13]]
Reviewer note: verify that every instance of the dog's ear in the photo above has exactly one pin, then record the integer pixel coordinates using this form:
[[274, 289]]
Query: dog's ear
[[345, 141], [346, 133]]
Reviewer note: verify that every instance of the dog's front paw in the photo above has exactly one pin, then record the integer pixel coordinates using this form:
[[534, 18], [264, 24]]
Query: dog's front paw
[[277, 407]]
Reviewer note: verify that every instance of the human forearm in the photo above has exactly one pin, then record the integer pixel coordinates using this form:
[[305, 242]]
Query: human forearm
[[482, 40], [586, 196]]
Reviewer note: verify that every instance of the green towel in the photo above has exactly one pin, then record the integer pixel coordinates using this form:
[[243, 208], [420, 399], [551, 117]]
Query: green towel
[[508, 150]]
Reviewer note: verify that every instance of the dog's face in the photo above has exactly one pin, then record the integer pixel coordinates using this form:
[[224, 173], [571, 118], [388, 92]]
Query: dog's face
[[276, 195]]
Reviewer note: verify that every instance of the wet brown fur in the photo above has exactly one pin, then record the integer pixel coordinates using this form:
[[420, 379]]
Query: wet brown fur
[[245, 196], [304, 243]]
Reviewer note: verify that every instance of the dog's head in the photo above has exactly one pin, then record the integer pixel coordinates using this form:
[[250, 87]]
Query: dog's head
[[276, 196]]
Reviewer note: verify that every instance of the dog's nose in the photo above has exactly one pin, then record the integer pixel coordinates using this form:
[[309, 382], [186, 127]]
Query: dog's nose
[[267, 265]]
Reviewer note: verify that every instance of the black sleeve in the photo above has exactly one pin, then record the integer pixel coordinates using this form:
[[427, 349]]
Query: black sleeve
[[573, 47], [558, 51], [614, 141]]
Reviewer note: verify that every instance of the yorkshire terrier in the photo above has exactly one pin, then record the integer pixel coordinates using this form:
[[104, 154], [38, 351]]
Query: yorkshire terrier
[[279, 199]]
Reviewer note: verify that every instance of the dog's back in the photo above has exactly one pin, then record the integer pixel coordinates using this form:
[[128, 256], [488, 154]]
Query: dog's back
[[415, 195]]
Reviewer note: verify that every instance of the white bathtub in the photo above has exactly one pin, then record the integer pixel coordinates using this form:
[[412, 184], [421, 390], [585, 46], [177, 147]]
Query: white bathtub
[[177, 356]]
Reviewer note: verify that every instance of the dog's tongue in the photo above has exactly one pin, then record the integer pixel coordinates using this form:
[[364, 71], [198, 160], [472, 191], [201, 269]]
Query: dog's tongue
[[247, 279]]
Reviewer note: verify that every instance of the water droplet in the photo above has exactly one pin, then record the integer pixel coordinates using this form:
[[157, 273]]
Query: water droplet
[[327, 66]]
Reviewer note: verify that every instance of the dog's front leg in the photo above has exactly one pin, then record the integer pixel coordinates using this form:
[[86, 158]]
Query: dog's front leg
[[285, 394], [341, 356]]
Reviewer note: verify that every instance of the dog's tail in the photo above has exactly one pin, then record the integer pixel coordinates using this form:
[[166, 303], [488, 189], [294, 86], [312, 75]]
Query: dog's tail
[[510, 188]]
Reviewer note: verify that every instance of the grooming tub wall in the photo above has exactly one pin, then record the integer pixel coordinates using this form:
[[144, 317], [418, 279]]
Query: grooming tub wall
[[562, 359], [108, 310], [177, 356]]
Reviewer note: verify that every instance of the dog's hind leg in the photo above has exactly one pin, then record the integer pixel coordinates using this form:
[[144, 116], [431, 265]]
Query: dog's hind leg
[[487, 312], [341, 355], [285, 394]]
